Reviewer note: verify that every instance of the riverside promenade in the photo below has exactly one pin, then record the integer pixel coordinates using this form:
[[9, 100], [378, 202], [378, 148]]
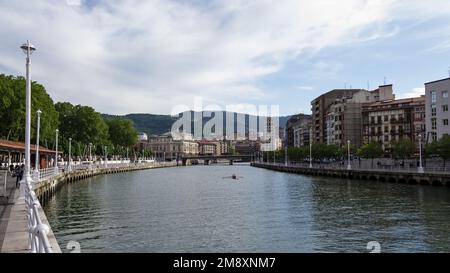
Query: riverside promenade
[[428, 178], [19, 230]]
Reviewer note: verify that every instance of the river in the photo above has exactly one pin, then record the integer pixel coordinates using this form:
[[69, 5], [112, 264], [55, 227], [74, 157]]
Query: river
[[196, 209]]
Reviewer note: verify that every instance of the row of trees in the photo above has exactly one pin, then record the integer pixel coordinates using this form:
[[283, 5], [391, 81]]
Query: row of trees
[[400, 150], [81, 123]]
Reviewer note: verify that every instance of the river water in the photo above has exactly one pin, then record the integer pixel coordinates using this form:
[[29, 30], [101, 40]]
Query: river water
[[196, 209]]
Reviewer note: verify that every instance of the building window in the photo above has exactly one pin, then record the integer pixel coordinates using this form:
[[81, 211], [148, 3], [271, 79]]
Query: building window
[[433, 124], [444, 108], [386, 118], [433, 110], [445, 122], [434, 136], [445, 94], [433, 97]]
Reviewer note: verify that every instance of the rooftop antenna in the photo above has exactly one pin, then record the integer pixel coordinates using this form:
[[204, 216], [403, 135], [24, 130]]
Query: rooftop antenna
[[384, 80], [345, 86], [368, 85]]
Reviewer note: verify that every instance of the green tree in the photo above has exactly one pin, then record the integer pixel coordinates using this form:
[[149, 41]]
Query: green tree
[[122, 132], [444, 148], [372, 150], [402, 149], [439, 148], [12, 110], [84, 125]]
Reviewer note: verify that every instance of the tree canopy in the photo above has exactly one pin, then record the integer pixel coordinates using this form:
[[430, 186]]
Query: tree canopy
[[12, 110], [122, 132], [84, 125], [402, 149]]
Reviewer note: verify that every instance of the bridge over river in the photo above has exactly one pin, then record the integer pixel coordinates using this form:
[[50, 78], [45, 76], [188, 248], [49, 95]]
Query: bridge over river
[[208, 159]]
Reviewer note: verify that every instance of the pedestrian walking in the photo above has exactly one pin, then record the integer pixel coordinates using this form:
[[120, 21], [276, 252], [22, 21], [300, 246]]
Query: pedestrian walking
[[19, 174]]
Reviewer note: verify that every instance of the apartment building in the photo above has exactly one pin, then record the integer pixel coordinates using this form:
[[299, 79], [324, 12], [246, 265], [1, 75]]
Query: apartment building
[[388, 121], [436, 108], [295, 128], [337, 114]]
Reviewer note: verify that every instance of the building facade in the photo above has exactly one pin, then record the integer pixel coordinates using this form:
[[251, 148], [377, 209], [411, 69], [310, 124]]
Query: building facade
[[206, 147], [437, 109], [247, 147], [170, 147], [337, 115], [295, 128], [389, 121]]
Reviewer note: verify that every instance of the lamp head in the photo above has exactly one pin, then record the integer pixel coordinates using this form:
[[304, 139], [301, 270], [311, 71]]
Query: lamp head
[[28, 47], [39, 112]]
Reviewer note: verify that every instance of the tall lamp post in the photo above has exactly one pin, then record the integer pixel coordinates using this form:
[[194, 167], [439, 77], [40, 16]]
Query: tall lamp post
[[310, 147], [106, 157], [90, 155], [28, 49], [349, 165], [420, 170], [38, 128], [70, 155], [285, 156], [56, 151]]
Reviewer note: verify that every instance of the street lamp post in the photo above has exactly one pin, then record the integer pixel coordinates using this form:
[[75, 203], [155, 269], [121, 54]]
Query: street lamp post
[[106, 157], [285, 156], [420, 170], [56, 150], [349, 165], [90, 155], [310, 148], [28, 49], [38, 128], [70, 154]]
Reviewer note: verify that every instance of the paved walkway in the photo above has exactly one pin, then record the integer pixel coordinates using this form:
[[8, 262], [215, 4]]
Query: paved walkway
[[6, 206]]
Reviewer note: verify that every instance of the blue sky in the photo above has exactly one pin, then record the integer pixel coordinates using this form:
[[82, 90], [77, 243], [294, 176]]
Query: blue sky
[[133, 56]]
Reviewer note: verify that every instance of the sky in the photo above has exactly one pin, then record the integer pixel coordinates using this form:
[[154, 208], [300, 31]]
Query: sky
[[130, 56]]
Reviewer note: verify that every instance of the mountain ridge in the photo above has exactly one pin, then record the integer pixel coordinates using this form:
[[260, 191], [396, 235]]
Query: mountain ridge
[[155, 124]]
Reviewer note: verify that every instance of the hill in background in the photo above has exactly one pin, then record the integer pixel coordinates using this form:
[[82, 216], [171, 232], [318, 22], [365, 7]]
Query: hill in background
[[160, 124]]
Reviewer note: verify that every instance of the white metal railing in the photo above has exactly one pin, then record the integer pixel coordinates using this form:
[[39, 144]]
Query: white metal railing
[[46, 173], [52, 171], [3, 184], [363, 167], [38, 232]]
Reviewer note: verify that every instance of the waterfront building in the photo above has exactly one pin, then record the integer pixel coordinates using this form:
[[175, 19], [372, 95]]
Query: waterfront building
[[337, 114], [295, 129], [12, 152], [226, 146], [171, 146], [270, 138], [389, 121], [436, 107], [206, 147], [247, 147], [302, 135]]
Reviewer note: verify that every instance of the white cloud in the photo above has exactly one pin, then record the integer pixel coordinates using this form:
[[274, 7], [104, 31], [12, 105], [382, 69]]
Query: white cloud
[[147, 56], [416, 92]]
